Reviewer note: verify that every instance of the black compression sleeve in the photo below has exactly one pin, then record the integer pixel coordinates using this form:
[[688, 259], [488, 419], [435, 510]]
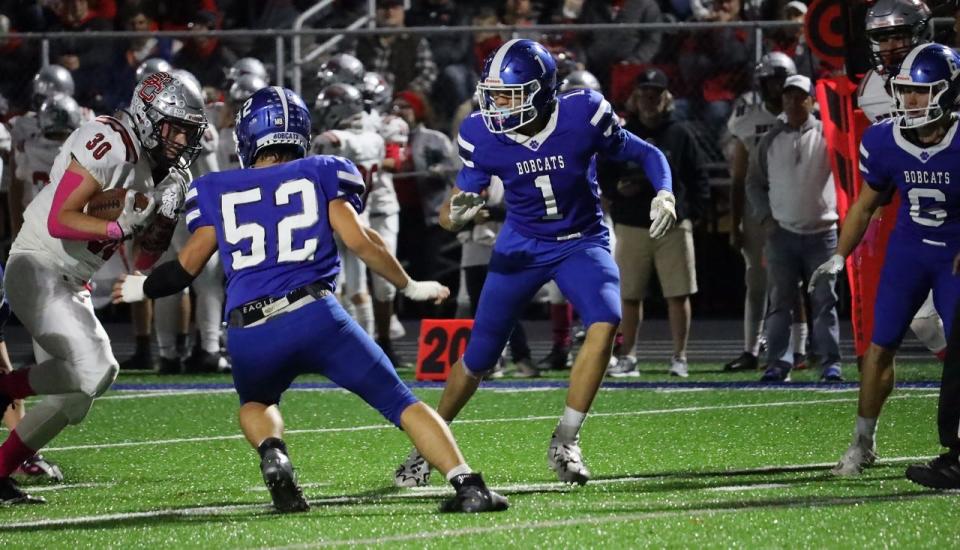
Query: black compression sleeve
[[166, 279]]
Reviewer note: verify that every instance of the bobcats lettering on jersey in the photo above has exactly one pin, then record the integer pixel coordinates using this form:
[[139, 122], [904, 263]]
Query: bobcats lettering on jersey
[[540, 164], [926, 177], [929, 205]]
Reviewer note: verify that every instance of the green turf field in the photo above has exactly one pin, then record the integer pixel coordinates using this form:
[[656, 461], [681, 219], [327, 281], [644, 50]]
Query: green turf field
[[701, 467]]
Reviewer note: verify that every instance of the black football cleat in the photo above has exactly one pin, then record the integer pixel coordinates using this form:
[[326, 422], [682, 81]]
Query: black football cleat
[[558, 359], [281, 480], [746, 362], [169, 365], [204, 362], [11, 494], [138, 361], [473, 497], [942, 472]]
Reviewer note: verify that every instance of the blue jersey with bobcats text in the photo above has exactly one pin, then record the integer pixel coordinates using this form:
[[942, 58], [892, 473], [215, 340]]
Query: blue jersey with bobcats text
[[927, 179], [549, 180], [273, 231]]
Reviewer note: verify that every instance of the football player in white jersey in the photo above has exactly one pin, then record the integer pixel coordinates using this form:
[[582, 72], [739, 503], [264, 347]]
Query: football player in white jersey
[[57, 118], [239, 91], [383, 206], [60, 247], [750, 120], [50, 80], [339, 116], [894, 27]]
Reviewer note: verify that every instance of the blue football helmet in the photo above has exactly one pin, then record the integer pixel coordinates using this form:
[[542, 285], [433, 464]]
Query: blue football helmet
[[523, 72], [271, 116], [933, 69]]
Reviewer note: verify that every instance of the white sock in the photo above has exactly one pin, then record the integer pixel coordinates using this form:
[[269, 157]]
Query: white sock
[[866, 428], [364, 315], [458, 470], [798, 334], [570, 423]]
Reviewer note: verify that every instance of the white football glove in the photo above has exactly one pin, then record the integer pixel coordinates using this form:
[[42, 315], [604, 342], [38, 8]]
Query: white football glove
[[132, 220], [829, 268], [464, 206], [172, 191], [422, 291], [129, 289], [663, 213]]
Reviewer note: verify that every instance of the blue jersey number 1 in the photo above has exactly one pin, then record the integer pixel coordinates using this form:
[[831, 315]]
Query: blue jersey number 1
[[237, 232], [549, 200]]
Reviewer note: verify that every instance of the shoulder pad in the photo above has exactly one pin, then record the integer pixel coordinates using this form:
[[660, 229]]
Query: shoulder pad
[[103, 143]]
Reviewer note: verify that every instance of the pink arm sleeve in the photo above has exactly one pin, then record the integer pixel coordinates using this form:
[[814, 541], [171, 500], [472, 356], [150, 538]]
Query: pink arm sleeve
[[69, 182]]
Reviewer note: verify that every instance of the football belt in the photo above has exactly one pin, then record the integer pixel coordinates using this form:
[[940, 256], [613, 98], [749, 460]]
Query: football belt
[[262, 309]]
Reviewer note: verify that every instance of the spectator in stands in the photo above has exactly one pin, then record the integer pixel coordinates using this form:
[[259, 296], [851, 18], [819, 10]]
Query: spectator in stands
[[605, 49], [793, 195], [135, 17], [429, 248], [205, 56], [407, 57], [629, 195], [175, 15], [83, 58], [451, 53], [712, 65], [791, 41], [519, 13]]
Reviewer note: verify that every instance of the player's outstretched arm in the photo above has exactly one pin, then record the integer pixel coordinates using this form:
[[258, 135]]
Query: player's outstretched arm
[[173, 276], [369, 247]]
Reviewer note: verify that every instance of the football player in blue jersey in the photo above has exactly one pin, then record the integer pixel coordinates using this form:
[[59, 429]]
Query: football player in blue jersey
[[543, 147], [274, 227], [915, 154]]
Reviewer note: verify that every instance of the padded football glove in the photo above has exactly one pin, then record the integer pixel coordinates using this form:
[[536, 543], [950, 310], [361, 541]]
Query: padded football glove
[[829, 268], [663, 213], [464, 206]]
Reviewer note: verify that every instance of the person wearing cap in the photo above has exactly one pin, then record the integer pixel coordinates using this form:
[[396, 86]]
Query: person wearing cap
[[791, 192], [204, 56], [629, 195]]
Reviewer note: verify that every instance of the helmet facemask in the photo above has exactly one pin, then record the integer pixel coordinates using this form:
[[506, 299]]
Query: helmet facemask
[[916, 117], [518, 111], [888, 60], [177, 141]]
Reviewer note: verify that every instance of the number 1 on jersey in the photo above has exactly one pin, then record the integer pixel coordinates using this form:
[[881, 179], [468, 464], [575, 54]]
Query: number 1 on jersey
[[549, 200]]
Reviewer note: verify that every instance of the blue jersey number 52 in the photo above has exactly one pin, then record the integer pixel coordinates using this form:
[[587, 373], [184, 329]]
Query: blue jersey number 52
[[235, 233]]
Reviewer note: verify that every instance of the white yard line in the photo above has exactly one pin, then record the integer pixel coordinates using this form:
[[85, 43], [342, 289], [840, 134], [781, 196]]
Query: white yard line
[[480, 421], [440, 491]]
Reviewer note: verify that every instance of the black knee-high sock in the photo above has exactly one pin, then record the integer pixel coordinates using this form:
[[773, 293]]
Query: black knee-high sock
[[948, 409]]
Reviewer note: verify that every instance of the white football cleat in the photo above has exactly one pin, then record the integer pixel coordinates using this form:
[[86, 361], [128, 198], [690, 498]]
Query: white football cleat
[[566, 459], [678, 367], [861, 453], [414, 472]]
